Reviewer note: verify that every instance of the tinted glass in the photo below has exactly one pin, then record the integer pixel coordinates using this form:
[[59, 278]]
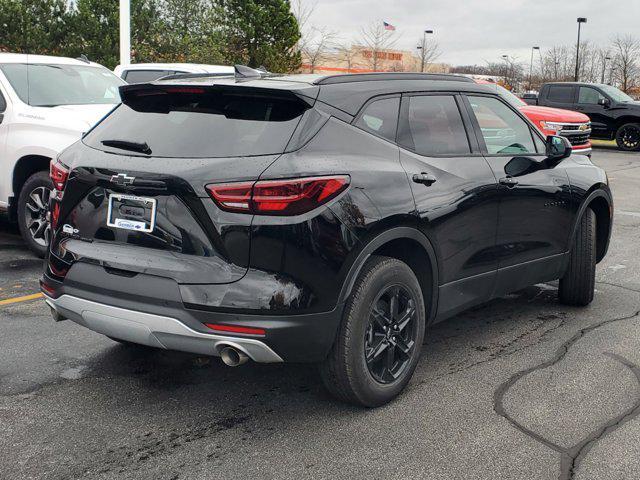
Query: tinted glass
[[560, 93], [53, 85], [211, 124], [433, 126], [589, 96], [381, 118], [503, 130], [3, 103], [615, 94], [143, 76]]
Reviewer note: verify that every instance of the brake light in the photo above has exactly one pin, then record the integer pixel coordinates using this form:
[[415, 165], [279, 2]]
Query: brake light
[[278, 197], [58, 174], [235, 329]]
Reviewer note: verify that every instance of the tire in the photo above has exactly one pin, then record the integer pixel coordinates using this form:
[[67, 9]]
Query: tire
[[577, 285], [33, 206], [628, 137], [346, 372]]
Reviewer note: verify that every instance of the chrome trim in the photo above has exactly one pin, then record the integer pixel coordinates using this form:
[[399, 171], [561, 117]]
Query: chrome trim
[[154, 330]]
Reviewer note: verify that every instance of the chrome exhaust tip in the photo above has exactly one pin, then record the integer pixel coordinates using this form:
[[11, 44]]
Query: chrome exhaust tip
[[233, 357]]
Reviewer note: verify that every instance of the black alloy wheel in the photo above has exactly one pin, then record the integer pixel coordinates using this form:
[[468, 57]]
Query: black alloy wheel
[[389, 341], [628, 137]]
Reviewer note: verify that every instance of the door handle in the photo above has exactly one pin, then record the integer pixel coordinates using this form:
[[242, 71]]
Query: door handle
[[508, 181], [424, 178]]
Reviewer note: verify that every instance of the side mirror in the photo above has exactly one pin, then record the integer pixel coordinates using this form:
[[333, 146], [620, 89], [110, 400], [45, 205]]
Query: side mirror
[[605, 102], [557, 149]]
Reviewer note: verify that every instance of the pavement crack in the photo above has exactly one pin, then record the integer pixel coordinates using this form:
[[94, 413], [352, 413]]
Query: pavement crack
[[618, 286], [577, 453], [568, 457]]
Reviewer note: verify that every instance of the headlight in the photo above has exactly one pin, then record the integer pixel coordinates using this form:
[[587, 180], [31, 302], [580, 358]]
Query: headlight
[[557, 127]]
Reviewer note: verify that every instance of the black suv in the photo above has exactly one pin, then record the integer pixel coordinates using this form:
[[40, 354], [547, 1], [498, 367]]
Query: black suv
[[614, 114], [315, 219]]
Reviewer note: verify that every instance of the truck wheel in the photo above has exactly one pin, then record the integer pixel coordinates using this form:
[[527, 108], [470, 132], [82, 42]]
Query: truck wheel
[[379, 340], [628, 137], [33, 205], [578, 283]]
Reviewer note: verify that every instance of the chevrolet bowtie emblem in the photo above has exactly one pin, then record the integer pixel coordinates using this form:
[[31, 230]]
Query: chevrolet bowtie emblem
[[122, 179]]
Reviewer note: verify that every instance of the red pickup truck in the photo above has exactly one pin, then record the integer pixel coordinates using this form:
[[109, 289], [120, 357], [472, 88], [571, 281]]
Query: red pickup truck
[[575, 126]]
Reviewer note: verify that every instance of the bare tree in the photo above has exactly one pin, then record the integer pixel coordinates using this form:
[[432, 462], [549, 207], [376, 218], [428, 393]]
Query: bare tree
[[626, 49], [429, 52], [376, 39], [348, 55], [317, 47]]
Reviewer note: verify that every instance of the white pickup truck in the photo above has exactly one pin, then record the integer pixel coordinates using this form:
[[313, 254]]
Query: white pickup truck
[[46, 104]]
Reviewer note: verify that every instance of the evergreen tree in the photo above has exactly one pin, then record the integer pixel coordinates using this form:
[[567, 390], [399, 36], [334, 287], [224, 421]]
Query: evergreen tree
[[260, 32], [34, 26]]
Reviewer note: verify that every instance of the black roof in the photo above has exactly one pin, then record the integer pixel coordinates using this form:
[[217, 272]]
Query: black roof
[[384, 76], [346, 92]]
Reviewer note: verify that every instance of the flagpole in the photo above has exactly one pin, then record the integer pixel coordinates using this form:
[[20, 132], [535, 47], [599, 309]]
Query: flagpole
[[125, 32]]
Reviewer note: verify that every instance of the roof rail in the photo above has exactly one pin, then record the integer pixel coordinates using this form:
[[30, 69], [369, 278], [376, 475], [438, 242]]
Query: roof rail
[[377, 76]]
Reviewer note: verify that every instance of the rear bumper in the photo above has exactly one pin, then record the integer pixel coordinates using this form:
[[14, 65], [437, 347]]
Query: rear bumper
[[152, 311], [154, 330]]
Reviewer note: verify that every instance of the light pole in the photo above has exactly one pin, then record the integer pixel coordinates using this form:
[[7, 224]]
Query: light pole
[[506, 67], [604, 67], [533, 49], [125, 32], [423, 47], [581, 20]]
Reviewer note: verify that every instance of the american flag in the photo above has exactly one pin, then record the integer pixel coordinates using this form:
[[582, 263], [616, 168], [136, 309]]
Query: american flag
[[388, 26]]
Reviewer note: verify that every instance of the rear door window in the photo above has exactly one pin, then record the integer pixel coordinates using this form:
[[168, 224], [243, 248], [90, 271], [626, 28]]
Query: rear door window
[[432, 125], [380, 117], [3, 103], [560, 93], [199, 123]]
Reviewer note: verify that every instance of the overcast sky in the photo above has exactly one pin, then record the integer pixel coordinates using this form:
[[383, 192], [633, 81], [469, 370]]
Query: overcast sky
[[477, 31]]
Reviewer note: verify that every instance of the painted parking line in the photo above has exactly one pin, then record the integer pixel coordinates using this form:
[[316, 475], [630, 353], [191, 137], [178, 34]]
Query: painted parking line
[[25, 298]]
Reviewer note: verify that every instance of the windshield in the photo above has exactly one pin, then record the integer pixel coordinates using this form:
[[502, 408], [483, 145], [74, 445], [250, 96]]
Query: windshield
[[52, 85], [615, 94]]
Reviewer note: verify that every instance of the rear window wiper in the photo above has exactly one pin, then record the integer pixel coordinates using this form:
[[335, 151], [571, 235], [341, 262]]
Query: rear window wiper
[[141, 147]]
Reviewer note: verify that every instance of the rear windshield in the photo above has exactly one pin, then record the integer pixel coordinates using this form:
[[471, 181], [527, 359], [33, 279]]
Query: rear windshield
[[194, 124]]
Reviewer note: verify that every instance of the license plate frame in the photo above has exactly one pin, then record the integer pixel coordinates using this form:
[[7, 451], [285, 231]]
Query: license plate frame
[[134, 223]]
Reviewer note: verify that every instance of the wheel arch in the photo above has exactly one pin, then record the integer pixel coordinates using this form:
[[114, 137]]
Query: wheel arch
[[600, 201], [624, 120], [412, 247], [26, 166]]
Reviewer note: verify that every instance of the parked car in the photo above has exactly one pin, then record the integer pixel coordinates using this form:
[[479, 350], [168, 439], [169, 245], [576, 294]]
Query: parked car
[[46, 103], [575, 126], [614, 114], [530, 98], [148, 72], [310, 218]]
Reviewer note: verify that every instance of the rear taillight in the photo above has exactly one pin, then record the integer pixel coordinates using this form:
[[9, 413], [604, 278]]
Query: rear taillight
[[58, 174], [278, 197]]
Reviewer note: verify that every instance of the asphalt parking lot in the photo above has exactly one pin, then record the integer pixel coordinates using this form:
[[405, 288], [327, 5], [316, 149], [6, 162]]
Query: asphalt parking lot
[[521, 388]]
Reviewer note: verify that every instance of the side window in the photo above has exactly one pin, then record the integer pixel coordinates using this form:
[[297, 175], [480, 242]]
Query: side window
[[589, 96], [381, 118], [3, 103], [560, 93], [142, 76], [503, 130], [540, 145], [432, 125]]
